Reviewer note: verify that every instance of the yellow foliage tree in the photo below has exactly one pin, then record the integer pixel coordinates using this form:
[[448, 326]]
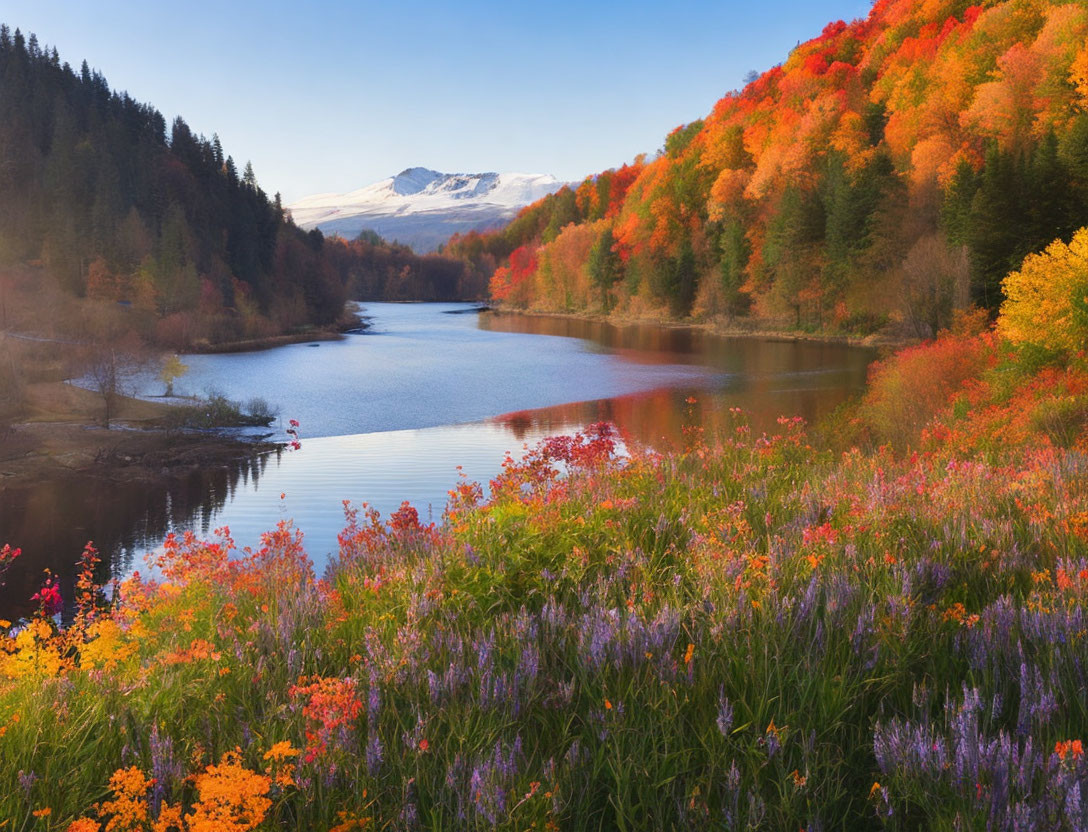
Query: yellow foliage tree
[[1079, 74], [1046, 301]]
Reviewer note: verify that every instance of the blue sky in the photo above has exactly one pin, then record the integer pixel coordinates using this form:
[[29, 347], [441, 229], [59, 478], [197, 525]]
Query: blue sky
[[330, 95]]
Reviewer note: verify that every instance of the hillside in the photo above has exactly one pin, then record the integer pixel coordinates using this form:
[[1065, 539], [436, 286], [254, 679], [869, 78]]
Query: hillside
[[117, 207], [113, 225], [423, 208], [891, 170]]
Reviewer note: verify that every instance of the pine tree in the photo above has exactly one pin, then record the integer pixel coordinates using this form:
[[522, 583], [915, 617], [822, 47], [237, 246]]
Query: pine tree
[[956, 205], [996, 225], [605, 267], [735, 252], [1052, 198]]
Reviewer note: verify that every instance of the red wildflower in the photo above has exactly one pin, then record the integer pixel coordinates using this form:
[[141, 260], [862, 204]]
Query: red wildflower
[[48, 598]]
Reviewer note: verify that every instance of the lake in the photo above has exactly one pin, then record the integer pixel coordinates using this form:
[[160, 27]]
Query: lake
[[389, 414]]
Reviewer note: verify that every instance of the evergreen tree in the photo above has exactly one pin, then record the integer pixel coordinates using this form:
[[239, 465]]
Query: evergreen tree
[[957, 202], [996, 226], [605, 267], [735, 252], [1051, 199]]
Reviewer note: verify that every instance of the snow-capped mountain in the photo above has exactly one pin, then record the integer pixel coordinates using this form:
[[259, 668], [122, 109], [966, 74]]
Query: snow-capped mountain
[[423, 208]]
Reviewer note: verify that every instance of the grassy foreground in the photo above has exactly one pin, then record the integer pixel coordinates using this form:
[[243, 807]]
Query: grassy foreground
[[750, 632]]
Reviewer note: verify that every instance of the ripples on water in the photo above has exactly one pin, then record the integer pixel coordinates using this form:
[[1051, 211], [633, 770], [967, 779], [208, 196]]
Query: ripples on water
[[390, 414]]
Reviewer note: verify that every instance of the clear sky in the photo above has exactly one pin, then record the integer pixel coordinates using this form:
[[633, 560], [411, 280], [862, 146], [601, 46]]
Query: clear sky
[[331, 95]]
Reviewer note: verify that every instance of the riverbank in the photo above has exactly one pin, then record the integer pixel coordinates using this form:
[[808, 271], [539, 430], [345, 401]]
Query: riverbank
[[270, 342], [764, 329], [351, 321], [62, 432]]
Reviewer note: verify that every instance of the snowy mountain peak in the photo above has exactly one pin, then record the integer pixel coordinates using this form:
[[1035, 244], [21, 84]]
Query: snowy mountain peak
[[424, 207], [413, 180]]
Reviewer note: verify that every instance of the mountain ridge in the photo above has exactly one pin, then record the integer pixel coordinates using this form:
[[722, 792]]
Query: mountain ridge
[[422, 207]]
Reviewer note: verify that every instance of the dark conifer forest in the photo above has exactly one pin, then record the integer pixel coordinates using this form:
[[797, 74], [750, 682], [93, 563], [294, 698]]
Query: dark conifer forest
[[105, 199]]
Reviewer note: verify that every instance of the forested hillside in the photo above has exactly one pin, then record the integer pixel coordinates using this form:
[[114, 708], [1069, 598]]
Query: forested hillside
[[118, 207], [892, 169], [102, 198], [381, 270]]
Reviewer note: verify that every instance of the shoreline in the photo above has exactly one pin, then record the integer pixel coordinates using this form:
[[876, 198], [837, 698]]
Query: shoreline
[[269, 342], [761, 329], [62, 435], [352, 321]]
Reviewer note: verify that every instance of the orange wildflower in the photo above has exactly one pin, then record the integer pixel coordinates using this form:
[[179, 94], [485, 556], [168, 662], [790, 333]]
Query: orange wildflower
[[1069, 748], [331, 704], [169, 820], [129, 805], [231, 798]]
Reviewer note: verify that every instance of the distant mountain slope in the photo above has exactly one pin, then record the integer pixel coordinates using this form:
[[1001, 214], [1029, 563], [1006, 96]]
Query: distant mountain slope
[[423, 208]]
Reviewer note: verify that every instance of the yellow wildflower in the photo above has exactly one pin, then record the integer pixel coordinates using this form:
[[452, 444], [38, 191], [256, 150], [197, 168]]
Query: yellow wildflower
[[106, 647]]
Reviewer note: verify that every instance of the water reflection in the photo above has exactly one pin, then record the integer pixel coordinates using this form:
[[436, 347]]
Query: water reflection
[[766, 378], [658, 418], [651, 344], [51, 520]]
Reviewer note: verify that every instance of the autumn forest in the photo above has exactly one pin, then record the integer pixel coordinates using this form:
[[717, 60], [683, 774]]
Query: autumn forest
[[896, 167]]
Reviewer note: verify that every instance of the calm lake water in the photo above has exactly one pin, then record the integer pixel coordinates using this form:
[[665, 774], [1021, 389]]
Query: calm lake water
[[389, 415]]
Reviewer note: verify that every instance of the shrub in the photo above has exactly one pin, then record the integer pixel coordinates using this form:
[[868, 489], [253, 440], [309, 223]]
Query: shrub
[[260, 411], [864, 323], [217, 411], [1046, 304], [1063, 419], [909, 389]]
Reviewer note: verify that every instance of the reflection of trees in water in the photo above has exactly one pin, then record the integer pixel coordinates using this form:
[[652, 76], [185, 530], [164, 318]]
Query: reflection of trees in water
[[658, 418], [764, 377], [52, 520], [651, 344], [653, 340]]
